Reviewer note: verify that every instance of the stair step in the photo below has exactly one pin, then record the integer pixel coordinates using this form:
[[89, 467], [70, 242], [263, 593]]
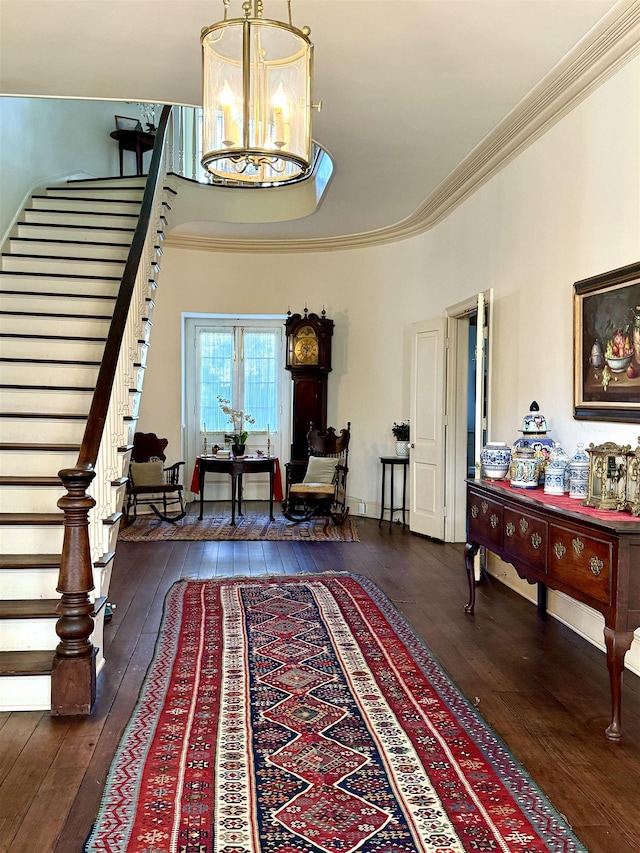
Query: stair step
[[63, 325], [89, 193], [90, 206], [69, 248], [90, 233], [30, 561], [29, 608], [56, 305], [42, 282], [30, 480], [24, 533], [110, 181], [33, 460], [55, 401], [78, 349], [85, 266], [54, 374], [37, 662], [45, 216]]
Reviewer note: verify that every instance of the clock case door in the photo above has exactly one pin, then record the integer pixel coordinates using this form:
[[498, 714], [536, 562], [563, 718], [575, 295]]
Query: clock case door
[[309, 381]]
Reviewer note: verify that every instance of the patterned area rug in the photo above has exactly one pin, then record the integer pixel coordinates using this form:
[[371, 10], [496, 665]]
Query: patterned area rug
[[301, 714], [248, 527]]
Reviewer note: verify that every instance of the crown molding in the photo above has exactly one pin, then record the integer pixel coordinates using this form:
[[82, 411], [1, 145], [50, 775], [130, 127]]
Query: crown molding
[[613, 42]]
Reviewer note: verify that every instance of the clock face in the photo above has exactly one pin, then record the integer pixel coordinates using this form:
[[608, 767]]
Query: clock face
[[306, 348]]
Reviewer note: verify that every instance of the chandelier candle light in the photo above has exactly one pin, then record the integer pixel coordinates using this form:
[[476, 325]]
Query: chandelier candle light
[[256, 88]]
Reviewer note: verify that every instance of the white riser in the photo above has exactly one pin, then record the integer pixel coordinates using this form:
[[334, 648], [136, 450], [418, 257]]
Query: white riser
[[28, 583], [76, 305], [51, 402], [91, 193], [30, 463], [72, 326], [25, 693], [47, 374], [42, 429], [44, 348], [30, 498], [129, 181], [59, 284], [89, 235], [66, 217], [78, 249], [28, 634], [31, 539], [62, 266], [131, 208]]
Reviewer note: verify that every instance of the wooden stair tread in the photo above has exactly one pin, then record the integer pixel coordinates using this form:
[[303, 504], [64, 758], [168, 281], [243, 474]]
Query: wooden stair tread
[[29, 480], [51, 416], [64, 361], [29, 608], [78, 225], [25, 447], [16, 387], [57, 275], [39, 337], [64, 315], [29, 561], [26, 662], [39, 518], [65, 242], [55, 295]]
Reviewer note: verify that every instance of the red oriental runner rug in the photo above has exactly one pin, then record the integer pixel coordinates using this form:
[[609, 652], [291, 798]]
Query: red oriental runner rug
[[302, 714]]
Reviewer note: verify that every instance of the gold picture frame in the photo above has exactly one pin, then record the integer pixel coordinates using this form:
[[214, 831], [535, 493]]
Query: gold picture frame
[[607, 346]]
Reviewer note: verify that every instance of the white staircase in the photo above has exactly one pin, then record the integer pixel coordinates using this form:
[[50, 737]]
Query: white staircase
[[59, 278]]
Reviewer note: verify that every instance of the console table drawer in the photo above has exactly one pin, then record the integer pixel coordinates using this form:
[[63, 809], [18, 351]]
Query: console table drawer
[[581, 562], [525, 539], [485, 519]]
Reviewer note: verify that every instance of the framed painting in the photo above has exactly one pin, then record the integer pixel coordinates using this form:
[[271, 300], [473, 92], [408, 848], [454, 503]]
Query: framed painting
[[607, 346], [125, 123]]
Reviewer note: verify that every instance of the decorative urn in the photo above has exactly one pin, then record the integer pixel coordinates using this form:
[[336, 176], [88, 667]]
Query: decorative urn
[[524, 468], [579, 474], [555, 471], [496, 458]]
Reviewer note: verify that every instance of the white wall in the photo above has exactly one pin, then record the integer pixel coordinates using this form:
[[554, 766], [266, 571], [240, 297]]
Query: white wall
[[565, 209], [45, 139]]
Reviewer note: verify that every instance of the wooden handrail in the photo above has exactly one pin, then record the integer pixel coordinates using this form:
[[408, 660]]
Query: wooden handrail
[[73, 678]]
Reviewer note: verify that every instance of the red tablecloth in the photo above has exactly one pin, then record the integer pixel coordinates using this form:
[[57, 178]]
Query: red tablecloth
[[565, 502], [277, 480]]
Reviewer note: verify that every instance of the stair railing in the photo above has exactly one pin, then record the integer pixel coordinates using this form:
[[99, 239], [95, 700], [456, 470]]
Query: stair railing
[[92, 493]]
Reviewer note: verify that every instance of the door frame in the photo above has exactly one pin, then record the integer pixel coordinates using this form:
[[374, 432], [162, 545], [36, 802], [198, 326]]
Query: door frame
[[456, 407]]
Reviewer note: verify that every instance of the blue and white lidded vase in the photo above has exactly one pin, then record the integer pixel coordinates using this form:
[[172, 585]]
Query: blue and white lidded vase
[[579, 474], [555, 471], [495, 457]]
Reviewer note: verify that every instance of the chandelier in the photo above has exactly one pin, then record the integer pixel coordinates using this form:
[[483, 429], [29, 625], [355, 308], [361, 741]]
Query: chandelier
[[256, 86]]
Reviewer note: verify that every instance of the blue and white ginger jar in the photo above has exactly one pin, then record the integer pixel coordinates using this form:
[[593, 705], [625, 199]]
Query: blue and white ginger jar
[[579, 474]]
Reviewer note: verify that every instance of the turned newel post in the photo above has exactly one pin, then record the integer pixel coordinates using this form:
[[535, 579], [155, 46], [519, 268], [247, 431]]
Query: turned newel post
[[73, 680]]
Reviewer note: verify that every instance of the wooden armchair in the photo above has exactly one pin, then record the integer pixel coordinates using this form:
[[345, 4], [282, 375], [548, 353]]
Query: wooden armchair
[[150, 482], [323, 486]]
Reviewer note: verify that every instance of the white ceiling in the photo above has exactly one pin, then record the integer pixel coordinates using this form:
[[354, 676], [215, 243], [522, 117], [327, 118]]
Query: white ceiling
[[409, 87]]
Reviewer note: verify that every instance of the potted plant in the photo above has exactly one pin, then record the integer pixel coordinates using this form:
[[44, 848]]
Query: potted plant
[[238, 418], [401, 434]]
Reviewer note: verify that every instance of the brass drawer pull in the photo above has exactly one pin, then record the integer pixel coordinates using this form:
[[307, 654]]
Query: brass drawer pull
[[559, 550], [474, 511], [578, 546], [511, 529], [494, 520], [524, 525], [536, 540], [485, 507], [596, 565]]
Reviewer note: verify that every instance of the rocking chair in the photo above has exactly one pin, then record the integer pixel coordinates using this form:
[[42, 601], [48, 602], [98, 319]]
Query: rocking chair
[[318, 487], [150, 482]]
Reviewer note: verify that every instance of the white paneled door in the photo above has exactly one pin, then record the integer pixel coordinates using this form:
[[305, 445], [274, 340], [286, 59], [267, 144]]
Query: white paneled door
[[428, 367]]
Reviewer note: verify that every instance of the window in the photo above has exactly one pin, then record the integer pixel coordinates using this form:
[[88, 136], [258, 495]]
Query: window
[[241, 360], [240, 364]]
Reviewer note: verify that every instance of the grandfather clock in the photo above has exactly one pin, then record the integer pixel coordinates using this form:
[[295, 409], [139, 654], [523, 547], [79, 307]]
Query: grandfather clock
[[309, 360]]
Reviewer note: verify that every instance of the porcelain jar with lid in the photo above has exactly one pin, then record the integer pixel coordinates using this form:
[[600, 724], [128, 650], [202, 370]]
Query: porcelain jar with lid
[[524, 468], [554, 478], [579, 474], [495, 457]]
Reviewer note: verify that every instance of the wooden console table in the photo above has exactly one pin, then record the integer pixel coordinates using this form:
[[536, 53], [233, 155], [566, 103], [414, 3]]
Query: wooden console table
[[593, 557], [236, 468]]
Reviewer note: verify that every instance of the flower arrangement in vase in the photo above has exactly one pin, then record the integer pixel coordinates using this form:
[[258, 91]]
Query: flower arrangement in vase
[[401, 434], [238, 418]]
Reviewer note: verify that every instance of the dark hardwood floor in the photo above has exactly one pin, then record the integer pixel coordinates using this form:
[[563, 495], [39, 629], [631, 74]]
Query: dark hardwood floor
[[544, 690]]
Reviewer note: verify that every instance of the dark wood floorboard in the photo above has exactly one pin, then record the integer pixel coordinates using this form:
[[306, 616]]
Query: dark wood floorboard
[[543, 689]]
